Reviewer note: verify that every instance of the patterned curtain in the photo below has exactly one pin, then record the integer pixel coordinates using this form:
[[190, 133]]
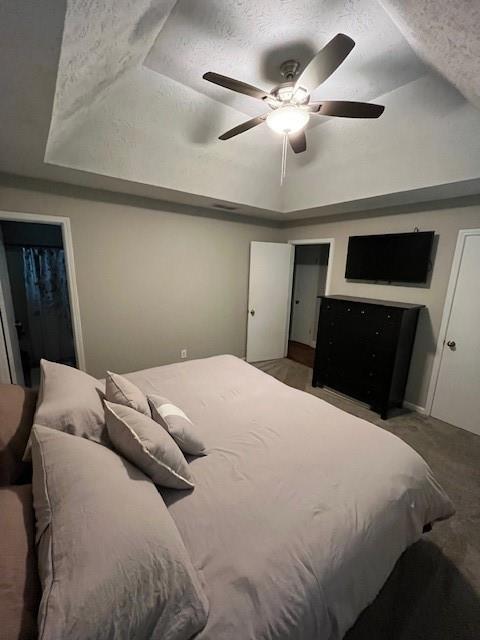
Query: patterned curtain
[[50, 323]]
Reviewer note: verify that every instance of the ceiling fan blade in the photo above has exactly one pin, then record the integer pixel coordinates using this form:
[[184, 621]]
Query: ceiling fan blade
[[346, 109], [298, 141], [241, 128], [325, 62], [235, 85]]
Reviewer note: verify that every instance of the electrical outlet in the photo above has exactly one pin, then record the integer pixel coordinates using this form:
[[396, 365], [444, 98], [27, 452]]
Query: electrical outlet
[[183, 353]]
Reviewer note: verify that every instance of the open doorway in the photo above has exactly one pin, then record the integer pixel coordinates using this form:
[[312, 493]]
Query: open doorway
[[310, 279], [35, 301]]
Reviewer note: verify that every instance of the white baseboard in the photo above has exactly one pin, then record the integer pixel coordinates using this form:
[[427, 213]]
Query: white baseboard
[[414, 407]]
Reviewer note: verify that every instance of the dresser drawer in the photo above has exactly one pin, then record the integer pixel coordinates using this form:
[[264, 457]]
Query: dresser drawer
[[384, 325], [339, 379], [379, 357], [356, 387], [338, 353]]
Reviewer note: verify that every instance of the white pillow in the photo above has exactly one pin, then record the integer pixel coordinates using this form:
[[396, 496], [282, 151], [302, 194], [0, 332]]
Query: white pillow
[[70, 400], [111, 560], [178, 425], [142, 441], [121, 391]]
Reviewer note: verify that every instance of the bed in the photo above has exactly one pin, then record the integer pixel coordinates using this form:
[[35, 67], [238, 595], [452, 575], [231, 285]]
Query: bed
[[299, 511]]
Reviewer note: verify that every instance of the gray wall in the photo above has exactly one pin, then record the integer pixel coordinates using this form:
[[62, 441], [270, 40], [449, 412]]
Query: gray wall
[[446, 223], [152, 282]]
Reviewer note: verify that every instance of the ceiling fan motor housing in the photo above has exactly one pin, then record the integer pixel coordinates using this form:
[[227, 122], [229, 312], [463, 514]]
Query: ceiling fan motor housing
[[289, 69], [284, 94]]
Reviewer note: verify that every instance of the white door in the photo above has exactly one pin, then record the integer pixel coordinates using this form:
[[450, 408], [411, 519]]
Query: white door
[[269, 296], [10, 350], [457, 394], [305, 289]]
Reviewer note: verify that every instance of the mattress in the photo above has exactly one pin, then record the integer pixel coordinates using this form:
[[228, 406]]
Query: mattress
[[300, 510]]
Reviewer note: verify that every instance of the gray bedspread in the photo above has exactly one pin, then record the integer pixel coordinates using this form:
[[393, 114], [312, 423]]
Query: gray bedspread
[[300, 510]]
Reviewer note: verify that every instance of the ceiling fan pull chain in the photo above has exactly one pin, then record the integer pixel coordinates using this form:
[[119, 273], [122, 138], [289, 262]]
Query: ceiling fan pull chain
[[284, 160]]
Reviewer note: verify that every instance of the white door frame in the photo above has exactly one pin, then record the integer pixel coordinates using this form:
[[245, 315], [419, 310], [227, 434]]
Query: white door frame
[[328, 280], [329, 241], [11, 358], [64, 223], [447, 311]]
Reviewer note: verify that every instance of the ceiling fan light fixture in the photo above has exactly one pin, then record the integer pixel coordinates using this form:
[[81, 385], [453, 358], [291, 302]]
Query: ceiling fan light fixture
[[287, 119], [300, 95], [285, 94]]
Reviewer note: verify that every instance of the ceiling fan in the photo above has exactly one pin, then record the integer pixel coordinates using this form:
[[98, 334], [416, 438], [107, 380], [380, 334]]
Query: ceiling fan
[[290, 101]]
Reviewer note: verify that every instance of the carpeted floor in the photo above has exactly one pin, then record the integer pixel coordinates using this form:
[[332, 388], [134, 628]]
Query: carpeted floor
[[433, 592]]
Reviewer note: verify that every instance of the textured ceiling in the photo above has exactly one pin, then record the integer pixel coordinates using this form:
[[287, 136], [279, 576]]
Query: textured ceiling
[[102, 41], [249, 40], [108, 94], [445, 33]]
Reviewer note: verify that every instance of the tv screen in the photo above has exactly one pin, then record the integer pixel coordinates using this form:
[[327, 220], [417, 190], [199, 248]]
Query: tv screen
[[396, 257]]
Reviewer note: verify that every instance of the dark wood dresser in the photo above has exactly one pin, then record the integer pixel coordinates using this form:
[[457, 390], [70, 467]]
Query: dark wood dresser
[[364, 348]]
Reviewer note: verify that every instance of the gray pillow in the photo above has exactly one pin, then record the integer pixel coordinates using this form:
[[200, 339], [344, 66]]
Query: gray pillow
[[122, 391], [178, 425], [72, 401], [148, 446], [111, 560]]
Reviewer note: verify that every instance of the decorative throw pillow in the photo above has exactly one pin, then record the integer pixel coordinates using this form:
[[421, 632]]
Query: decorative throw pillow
[[178, 425], [72, 401], [148, 446], [121, 391], [111, 560]]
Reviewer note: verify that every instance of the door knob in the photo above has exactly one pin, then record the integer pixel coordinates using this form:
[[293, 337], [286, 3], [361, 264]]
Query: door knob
[[451, 344], [252, 312]]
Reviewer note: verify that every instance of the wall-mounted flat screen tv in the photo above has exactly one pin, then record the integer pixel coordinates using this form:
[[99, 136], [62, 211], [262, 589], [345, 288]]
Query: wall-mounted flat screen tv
[[395, 257]]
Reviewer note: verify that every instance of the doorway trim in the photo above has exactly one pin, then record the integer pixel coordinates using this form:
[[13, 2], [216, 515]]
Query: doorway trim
[[328, 279], [64, 223], [329, 241], [447, 311]]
